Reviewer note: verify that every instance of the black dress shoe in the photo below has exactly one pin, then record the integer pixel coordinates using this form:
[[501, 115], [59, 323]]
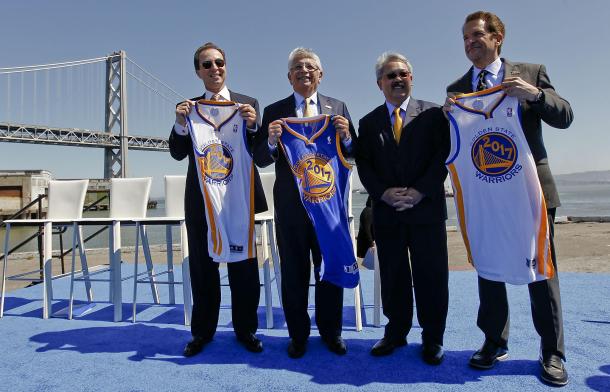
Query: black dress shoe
[[250, 342], [296, 349], [386, 346], [488, 355], [432, 353], [553, 370], [195, 346], [336, 344]]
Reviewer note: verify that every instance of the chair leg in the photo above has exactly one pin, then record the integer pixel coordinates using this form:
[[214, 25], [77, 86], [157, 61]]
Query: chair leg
[[115, 271], [276, 260], [149, 264], [170, 264], [357, 308], [357, 289], [7, 235], [47, 272], [267, 277], [83, 263], [135, 273], [364, 322], [75, 234], [377, 292], [186, 277], [110, 263]]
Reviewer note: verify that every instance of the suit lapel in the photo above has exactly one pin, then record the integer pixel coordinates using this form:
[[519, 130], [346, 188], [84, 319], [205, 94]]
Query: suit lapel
[[413, 109], [290, 107], [325, 105], [465, 84], [510, 70], [386, 134]]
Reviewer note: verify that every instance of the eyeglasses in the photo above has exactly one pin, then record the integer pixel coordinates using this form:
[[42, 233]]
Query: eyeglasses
[[208, 63], [304, 67], [394, 75]]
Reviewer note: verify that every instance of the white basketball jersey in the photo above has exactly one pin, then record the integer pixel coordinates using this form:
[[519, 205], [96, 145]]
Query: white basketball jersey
[[226, 177], [498, 197]]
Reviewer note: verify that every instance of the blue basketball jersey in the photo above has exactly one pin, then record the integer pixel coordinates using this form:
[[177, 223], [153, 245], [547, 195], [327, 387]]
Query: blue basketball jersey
[[312, 148]]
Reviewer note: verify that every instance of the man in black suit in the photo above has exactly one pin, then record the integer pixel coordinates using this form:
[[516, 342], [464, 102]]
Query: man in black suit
[[402, 145], [483, 37], [295, 232], [210, 67]]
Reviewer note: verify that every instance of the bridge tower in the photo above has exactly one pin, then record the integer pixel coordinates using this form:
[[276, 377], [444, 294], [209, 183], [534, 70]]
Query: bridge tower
[[115, 159]]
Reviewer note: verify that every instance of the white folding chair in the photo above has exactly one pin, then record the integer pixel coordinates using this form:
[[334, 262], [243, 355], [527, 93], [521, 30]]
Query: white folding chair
[[65, 208], [266, 221], [174, 216], [128, 203]]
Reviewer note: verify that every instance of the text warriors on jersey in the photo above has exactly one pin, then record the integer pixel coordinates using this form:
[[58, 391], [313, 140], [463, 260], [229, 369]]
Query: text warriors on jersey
[[494, 155], [316, 177]]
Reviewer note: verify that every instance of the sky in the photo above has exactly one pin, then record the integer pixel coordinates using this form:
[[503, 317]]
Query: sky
[[570, 37]]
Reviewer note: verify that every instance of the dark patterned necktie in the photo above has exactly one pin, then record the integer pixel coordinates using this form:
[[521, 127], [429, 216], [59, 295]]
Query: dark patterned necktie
[[481, 85]]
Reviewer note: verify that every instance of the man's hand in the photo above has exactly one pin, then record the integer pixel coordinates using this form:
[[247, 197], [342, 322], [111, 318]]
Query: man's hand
[[182, 110], [397, 198], [249, 114], [413, 197], [275, 131], [519, 88], [448, 106], [342, 126]]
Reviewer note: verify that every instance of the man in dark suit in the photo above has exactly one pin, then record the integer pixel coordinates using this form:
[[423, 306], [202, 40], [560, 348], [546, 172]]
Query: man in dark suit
[[483, 37], [402, 145], [210, 67], [295, 232]]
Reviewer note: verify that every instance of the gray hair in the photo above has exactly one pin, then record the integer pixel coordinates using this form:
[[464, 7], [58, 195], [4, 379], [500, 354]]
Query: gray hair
[[301, 52], [388, 57]]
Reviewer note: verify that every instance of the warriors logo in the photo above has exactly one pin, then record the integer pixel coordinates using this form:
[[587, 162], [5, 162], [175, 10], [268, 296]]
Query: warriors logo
[[494, 154], [216, 162], [317, 178]]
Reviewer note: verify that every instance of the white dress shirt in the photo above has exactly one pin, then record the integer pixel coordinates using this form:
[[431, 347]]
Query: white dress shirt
[[493, 78], [403, 110], [300, 104], [224, 93]]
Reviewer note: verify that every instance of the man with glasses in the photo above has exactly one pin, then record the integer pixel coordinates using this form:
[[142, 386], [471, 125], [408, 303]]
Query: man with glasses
[[402, 146], [210, 67], [483, 35], [295, 232]]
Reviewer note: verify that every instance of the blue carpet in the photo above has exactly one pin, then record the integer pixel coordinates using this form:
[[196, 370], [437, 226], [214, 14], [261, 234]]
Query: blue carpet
[[94, 354]]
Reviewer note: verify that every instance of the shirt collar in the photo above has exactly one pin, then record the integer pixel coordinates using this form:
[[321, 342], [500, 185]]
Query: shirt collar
[[493, 68], [223, 93], [403, 106], [298, 98]]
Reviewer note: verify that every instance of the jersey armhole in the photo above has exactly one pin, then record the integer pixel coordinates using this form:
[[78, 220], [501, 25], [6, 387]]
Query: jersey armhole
[[455, 140]]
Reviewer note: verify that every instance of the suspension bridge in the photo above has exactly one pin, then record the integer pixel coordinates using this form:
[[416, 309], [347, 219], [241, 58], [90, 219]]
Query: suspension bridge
[[83, 103]]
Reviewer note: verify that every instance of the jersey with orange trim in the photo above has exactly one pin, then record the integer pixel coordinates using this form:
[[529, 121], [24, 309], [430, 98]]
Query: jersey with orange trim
[[226, 177], [312, 148], [498, 197]]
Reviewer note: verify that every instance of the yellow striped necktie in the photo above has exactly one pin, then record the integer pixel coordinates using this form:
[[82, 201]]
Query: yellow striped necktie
[[397, 124], [306, 109]]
